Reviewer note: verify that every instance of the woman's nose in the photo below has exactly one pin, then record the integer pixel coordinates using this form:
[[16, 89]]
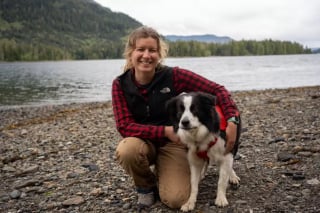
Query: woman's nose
[[146, 53]]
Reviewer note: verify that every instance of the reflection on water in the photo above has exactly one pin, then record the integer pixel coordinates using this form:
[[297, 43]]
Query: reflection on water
[[57, 82], [38, 83]]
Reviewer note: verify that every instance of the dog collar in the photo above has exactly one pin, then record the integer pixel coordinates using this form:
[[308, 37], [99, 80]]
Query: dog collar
[[204, 154]]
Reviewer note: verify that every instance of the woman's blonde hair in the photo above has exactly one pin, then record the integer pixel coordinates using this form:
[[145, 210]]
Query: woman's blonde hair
[[143, 32]]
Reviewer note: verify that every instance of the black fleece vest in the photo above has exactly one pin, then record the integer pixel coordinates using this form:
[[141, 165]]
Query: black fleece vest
[[150, 111]]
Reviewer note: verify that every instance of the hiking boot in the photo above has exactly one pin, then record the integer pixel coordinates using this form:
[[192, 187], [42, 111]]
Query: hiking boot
[[146, 199]]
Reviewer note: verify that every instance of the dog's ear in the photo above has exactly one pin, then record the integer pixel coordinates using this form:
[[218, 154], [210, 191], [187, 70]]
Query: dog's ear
[[170, 106], [209, 101], [172, 110], [208, 98]]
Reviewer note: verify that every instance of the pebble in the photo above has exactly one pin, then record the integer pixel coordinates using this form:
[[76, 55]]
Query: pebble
[[7, 168], [96, 192], [30, 169], [73, 201], [298, 176], [91, 167], [313, 181], [305, 154], [284, 156], [15, 194], [25, 183], [306, 192]]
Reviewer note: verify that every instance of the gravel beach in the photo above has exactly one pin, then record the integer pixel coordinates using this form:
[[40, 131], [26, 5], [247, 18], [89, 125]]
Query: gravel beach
[[61, 158]]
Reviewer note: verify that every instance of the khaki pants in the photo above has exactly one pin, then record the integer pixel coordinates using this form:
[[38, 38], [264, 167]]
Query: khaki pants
[[172, 169]]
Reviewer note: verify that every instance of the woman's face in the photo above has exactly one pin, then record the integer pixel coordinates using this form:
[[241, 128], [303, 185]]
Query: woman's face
[[145, 56]]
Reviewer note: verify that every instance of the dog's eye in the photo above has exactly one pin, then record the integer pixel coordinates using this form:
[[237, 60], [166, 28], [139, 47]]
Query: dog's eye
[[181, 107], [192, 108]]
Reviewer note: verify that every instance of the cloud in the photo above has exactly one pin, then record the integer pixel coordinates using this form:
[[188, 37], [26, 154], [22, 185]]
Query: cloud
[[293, 20]]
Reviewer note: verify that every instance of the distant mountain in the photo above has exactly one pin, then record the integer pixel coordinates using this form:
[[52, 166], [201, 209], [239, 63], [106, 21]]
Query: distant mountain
[[315, 50], [209, 38]]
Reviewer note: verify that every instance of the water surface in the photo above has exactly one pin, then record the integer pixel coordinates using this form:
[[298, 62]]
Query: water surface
[[39, 83]]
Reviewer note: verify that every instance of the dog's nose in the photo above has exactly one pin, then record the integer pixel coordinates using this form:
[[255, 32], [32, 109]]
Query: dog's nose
[[185, 122]]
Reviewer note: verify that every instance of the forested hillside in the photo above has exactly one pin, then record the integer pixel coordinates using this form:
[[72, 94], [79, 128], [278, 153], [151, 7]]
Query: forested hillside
[[236, 48], [61, 29]]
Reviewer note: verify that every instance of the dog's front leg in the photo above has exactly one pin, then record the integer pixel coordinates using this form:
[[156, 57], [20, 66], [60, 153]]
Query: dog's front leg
[[204, 170], [195, 171], [225, 172]]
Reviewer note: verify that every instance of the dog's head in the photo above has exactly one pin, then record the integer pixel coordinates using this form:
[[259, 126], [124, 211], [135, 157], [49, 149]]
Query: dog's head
[[191, 111]]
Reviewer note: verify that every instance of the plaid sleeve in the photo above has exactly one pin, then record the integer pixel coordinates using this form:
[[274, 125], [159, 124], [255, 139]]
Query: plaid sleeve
[[188, 81], [125, 122]]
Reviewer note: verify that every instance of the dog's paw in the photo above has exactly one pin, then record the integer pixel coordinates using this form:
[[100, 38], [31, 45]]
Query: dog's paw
[[188, 206], [221, 201], [234, 179]]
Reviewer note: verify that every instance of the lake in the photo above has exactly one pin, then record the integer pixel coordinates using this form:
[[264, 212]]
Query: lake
[[59, 82]]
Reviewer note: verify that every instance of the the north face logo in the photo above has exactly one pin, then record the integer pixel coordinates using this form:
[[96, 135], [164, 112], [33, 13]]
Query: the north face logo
[[165, 90]]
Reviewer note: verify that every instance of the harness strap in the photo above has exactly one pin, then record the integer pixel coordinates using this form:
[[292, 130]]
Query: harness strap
[[204, 154]]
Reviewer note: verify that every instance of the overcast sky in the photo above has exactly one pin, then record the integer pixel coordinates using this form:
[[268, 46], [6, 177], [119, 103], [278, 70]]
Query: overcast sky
[[290, 20]]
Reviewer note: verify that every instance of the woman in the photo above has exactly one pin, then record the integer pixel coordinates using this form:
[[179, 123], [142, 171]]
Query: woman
[[138, 99]]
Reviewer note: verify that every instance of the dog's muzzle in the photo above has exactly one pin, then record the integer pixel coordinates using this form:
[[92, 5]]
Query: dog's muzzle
[[186, 124]]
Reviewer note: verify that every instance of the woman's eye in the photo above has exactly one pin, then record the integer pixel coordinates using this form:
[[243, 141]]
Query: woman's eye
[[144, 49]]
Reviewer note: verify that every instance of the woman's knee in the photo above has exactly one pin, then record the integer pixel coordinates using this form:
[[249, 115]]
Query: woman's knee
[[133, 149], [174, 196], [174, 199], [128, 148]]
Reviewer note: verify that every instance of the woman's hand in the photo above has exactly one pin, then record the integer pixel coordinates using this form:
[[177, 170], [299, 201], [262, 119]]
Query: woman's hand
[[169, 133], [231, 133]]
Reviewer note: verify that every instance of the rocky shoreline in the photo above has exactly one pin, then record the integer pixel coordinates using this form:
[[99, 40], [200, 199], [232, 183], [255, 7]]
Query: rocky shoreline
[[61, 158]]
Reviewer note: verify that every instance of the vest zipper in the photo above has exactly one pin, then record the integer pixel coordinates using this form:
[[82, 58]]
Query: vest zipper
[[148, 111]]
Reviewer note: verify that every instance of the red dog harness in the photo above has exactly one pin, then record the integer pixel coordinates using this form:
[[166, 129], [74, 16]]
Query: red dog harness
[[204, 154], [223, 125]]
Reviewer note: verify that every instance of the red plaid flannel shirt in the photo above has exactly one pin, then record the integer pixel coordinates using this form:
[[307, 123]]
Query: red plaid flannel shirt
[[184, 81]]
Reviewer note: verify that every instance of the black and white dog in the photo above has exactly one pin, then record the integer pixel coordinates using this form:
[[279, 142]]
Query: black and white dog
[[196, 122]]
